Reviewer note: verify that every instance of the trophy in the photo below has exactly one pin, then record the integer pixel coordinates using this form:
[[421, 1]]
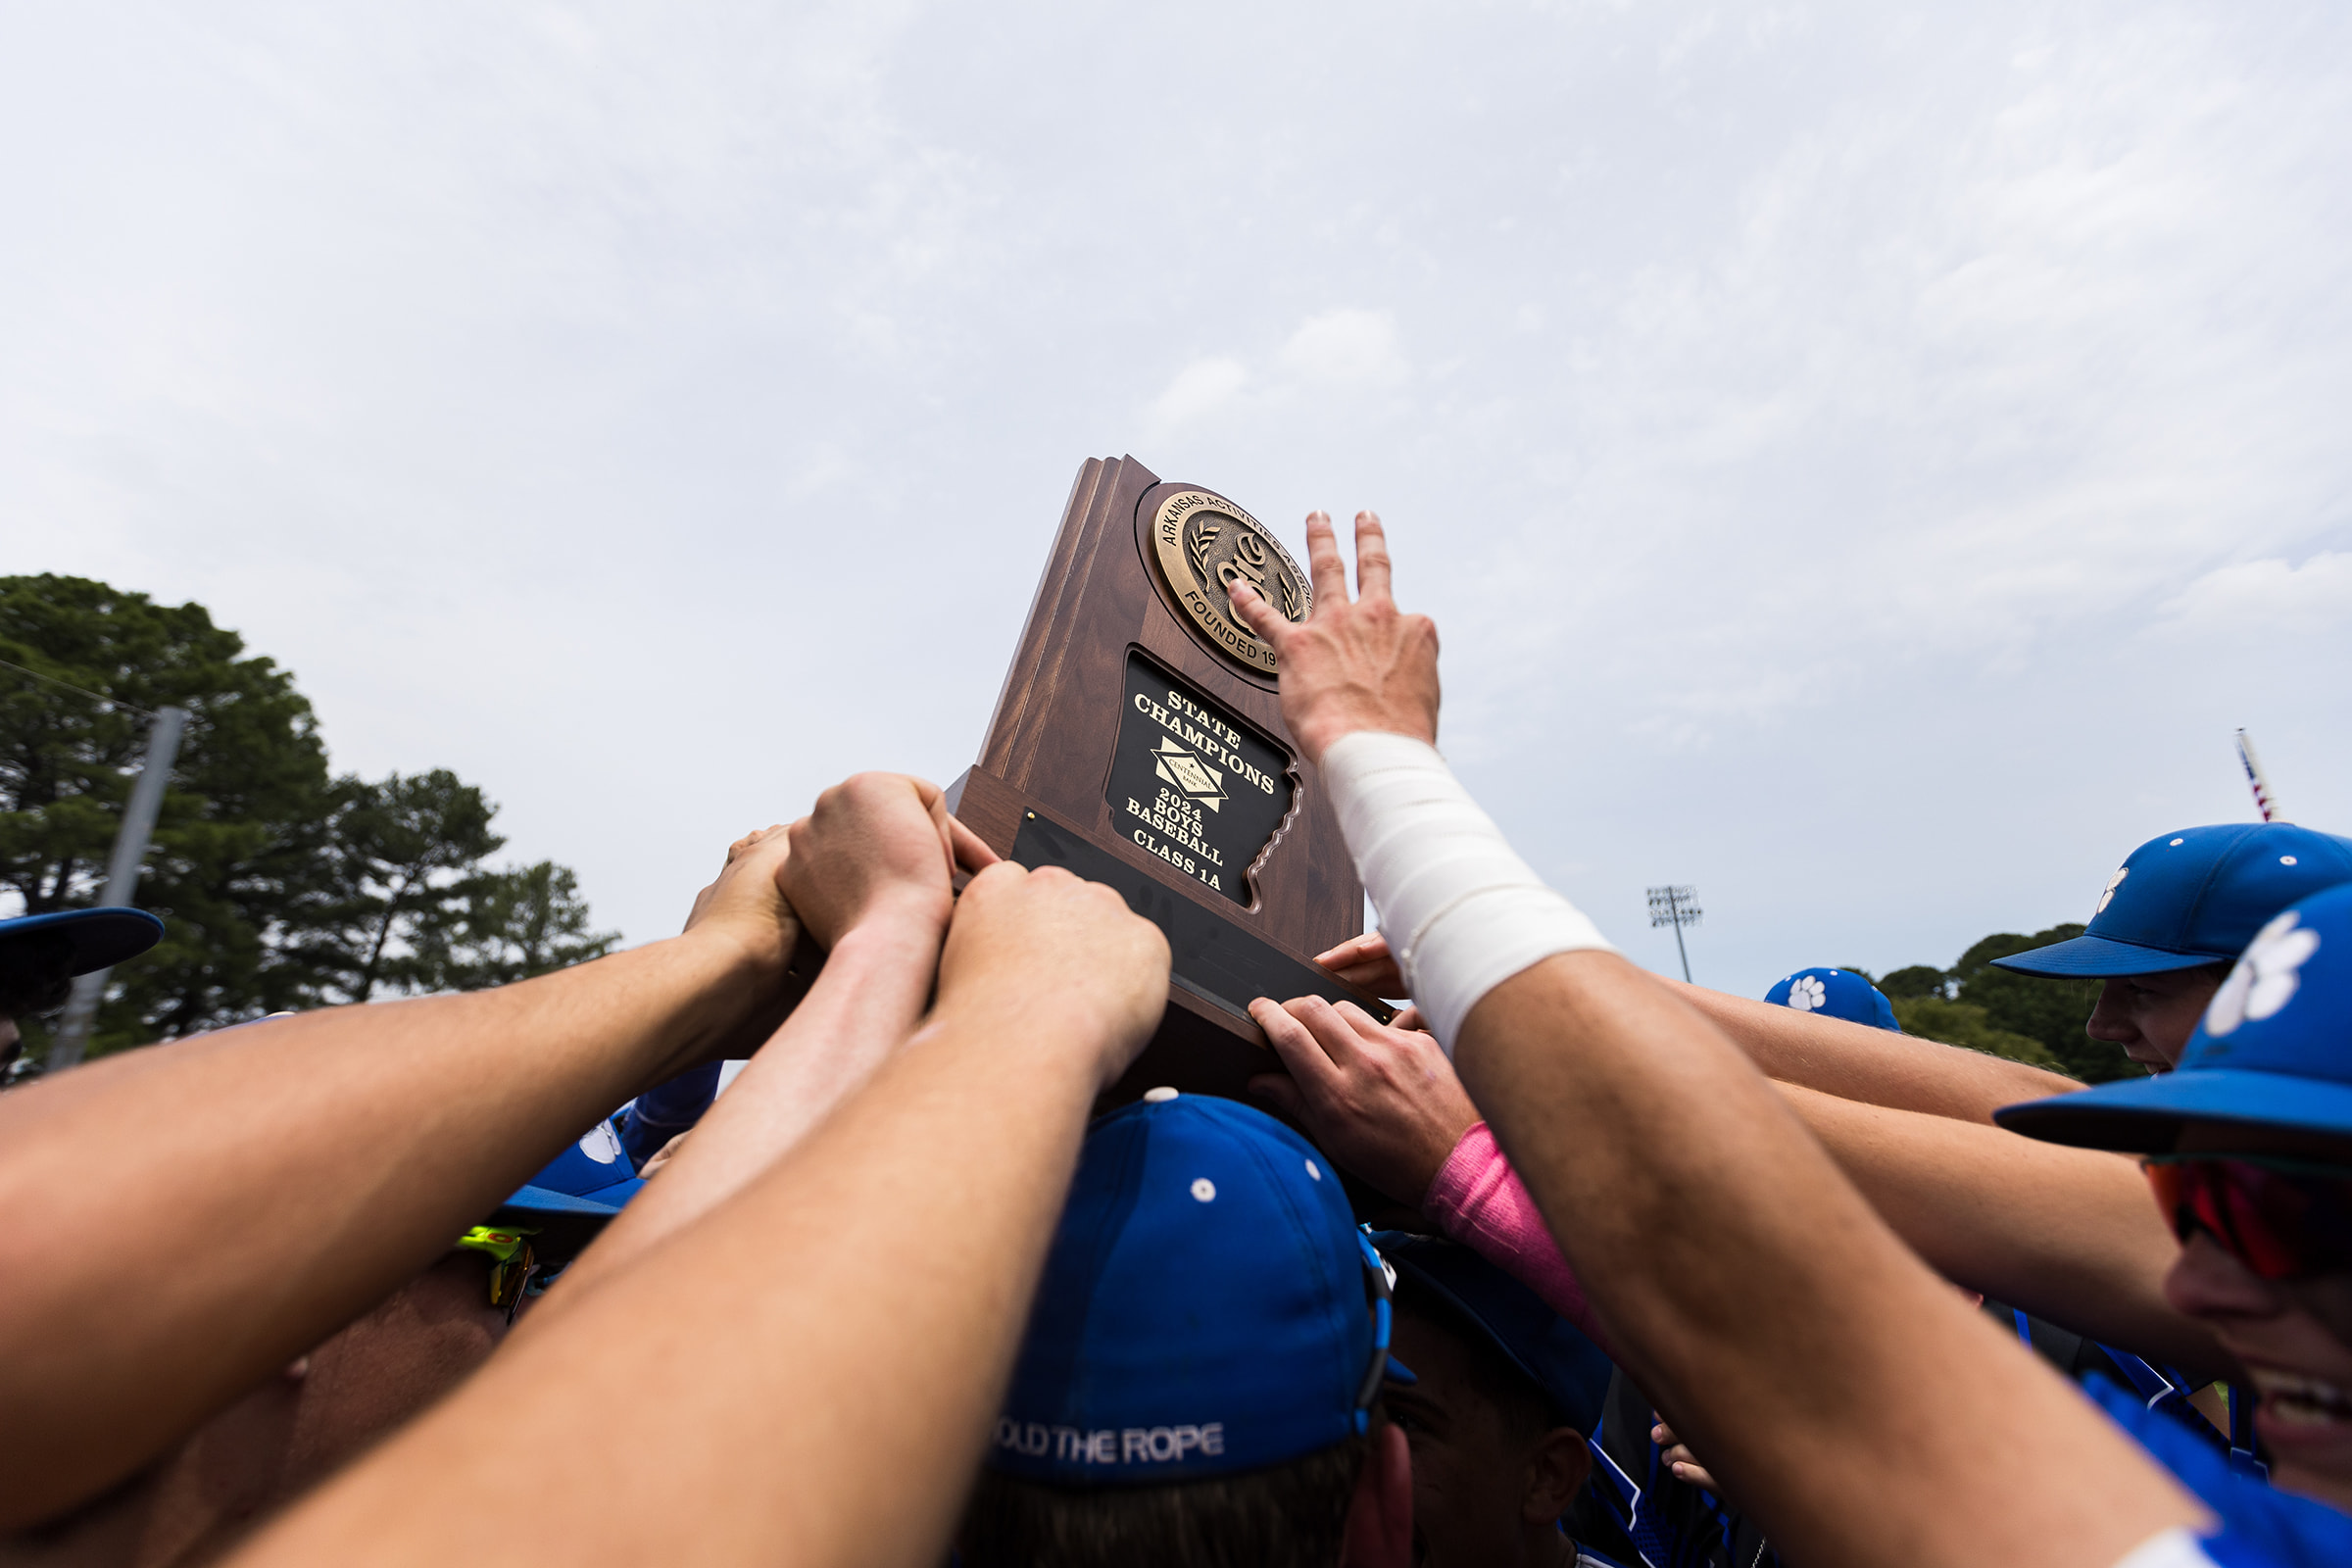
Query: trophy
[[1139, 743]]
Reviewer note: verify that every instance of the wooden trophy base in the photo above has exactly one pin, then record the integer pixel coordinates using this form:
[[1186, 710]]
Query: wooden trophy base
[[1138, 746]]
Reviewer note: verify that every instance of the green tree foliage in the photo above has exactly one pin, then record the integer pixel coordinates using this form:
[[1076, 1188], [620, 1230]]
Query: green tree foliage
[[1916, 980], [2052, 1011], [278, 886], [515, 924], [400, 855], [2017, 1015], [238, 838], [411, 907]]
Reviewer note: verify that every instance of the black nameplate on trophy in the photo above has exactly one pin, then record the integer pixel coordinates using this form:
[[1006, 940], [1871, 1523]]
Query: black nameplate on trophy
[[1192, 783], [1214, 959]]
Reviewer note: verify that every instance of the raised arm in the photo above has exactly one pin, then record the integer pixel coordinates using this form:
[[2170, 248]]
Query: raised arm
[[183, 1221], [2067, 1234], [815, 1365], [869, 876], [1873, 1067], [1860, 1408], [2070, 1235]]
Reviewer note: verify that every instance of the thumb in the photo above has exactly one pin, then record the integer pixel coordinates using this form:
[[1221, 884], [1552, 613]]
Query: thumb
[[970, 851]]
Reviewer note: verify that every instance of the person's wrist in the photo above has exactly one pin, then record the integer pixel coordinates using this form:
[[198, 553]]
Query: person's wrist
[[733, 969], [889, 930], [756, 947], [1320, 734], [1421, 1167], [1051, 1024], [1458, 1149], [909, 908]]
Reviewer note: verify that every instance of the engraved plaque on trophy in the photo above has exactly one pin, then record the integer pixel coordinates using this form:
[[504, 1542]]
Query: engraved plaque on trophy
[[1139, 742]]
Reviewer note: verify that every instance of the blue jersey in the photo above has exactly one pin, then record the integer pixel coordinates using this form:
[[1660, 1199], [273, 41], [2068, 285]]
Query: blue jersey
[[2260, 1524]]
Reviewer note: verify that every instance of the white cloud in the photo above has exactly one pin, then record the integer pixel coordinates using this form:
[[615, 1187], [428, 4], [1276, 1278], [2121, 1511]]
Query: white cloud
[[1332, 360], [1794, 427], [1202, 389], [1345, 349]]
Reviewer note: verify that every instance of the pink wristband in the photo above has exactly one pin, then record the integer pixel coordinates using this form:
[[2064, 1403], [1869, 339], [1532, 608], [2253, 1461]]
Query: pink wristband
[[1480, 1202]]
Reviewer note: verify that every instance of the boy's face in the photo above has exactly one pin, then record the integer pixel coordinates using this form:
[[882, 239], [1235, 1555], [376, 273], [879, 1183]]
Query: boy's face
[[1489, 1484], [2294, 1339], [2152, 1015], [2292, 1335]]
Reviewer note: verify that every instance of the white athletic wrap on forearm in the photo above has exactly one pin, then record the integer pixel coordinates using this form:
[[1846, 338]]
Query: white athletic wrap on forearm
[[1461, 912]]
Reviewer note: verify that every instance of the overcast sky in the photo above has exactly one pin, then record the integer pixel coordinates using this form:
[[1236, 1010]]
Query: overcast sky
[[1863, 460]]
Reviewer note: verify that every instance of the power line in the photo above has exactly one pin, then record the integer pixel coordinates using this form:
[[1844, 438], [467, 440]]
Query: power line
[[84, 689]]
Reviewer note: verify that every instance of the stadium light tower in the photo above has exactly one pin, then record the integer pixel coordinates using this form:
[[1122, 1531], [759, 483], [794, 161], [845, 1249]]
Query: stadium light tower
[[1677, 906]]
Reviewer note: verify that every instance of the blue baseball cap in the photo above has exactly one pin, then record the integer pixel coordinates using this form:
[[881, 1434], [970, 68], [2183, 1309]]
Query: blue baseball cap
[[2274, 1050], [1838, 994], [569, 1203], [1208, 1306], [1552, 1353], [2193, 896], [96, 938]]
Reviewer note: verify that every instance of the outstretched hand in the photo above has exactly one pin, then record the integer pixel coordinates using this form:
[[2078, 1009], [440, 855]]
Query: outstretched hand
[[877, 844], [1383, 1101], [1353, 664]]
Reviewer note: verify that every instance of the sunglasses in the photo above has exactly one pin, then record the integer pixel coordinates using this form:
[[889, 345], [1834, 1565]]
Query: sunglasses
[[513, 1264], [2282, 1219]]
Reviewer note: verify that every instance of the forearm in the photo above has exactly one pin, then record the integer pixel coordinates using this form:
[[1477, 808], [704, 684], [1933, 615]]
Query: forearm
[[866, 1000], [1480, 1202], [334, 1155], [1734, 1265], [2068, 1234], [863, 1298], [1875, 1066]]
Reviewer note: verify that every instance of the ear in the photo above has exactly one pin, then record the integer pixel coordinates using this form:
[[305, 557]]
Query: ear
[[1557, 1468], [1380, 1512]]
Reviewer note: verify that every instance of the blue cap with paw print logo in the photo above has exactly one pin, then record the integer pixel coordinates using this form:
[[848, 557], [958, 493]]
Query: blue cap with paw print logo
[[2193, 896], [2272, 1050], [1208, 1306], [1835, 993]]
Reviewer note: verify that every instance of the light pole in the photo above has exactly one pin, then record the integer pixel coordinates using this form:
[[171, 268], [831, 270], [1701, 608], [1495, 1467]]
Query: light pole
[[122, 876], [1677, 906]]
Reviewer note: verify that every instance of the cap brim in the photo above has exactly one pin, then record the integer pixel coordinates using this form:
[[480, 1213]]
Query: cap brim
[[1404, 1263], [604, 1202], [100, 938], [2102, 957], [2145, 1115]]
